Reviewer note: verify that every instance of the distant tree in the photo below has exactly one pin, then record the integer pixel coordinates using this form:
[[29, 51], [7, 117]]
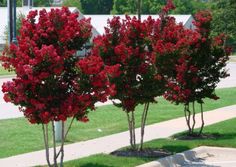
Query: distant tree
[[183, 7], [3, 3], [40, 3], [224, 12], [74, 3], [154, 6], [199, 5], [96, 6], [129, 6], [124, 7]]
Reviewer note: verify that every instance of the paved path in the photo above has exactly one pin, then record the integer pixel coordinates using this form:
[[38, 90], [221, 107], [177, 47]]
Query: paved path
[[203, 156], [110, 143], [231, 80]]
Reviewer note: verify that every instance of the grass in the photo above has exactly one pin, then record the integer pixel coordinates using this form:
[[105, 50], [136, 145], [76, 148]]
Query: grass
[[103, 160], [18, 136], [225, 130], [5, 72]]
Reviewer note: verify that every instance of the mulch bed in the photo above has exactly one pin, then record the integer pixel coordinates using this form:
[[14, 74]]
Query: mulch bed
[[145, 153], [185, 136]]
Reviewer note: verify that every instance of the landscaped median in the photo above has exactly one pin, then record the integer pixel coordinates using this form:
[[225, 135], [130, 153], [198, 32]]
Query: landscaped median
[[18, 137], [223, 135]]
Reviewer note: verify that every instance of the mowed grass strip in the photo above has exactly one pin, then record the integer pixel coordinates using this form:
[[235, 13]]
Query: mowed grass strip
[[226, 138], [4, 72], [17, 136]]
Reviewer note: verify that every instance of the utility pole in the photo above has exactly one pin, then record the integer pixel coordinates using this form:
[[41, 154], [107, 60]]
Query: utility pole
[[58, 130], [14, 40], [139, 2], [11, 21], [9, 5]]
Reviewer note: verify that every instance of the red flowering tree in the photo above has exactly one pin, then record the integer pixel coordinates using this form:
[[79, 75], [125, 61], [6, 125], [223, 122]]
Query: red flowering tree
[[198, 68], [51, 83], [126, 43]]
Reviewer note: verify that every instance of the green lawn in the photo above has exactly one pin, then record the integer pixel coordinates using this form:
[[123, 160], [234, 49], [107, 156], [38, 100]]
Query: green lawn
[[18, 136], [5, 72], [225, 131]]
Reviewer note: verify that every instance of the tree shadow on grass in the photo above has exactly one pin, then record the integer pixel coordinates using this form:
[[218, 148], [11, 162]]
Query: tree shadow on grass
[[225, 136], [145, 153], [176, 148], [94, 165], [204, 136]]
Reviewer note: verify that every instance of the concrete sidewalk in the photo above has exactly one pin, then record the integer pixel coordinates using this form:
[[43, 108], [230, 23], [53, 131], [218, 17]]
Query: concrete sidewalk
[[110, 143], [203, 156]]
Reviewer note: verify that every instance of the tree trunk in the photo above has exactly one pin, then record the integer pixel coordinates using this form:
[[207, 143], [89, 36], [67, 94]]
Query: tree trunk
[[54, 145], [45, 137], [61, 151], [62, 143], [143, 123], [202, 119], [188, 118], [131, 123], [133, 129], [194, 120]]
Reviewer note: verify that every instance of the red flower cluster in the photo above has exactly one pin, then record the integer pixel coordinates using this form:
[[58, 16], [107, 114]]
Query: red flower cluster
[[127, 43], [169, 42], [169, 6], [52, 84], [199, 65], [203, 22]]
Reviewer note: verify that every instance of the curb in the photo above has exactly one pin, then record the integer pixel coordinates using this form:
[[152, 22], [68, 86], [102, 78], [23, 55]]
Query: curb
[[7, 76], [190, 157]]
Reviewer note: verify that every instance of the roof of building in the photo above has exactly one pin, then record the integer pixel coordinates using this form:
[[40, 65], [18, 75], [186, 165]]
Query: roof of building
[[98, 21]]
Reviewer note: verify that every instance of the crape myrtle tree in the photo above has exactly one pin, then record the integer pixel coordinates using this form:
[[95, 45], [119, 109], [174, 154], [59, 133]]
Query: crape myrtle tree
[[127, 44], [168, 41], [199, 67], [52, 83]]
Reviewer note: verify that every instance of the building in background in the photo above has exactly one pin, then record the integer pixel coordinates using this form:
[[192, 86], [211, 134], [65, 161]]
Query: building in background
[[98, 21]]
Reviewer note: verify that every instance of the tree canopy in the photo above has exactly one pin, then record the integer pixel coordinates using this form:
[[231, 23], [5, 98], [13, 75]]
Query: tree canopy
[[96, 6], [154, 6], [70, 3], [224, 12], [3, 3]]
